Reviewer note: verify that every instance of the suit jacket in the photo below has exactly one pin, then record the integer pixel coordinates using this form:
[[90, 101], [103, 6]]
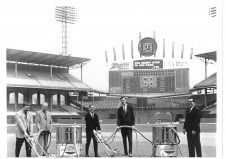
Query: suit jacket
[[23, 124], [41, 123], [92, 123], [127, 118], [192, 120]]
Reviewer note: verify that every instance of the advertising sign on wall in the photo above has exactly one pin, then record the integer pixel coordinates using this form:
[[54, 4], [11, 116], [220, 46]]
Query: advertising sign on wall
[[148, 64], [176, 64], [120, 66]]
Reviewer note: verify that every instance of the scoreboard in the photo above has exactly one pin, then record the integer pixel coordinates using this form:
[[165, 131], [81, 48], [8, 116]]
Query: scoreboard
[[149, 81]]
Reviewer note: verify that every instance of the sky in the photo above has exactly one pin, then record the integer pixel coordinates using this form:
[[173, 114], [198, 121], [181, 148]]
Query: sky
[[104, 24]]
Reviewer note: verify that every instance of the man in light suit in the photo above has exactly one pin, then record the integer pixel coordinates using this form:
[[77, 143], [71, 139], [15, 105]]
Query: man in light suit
[[192, 127], [44, 124], [126, 118], [24, 128]]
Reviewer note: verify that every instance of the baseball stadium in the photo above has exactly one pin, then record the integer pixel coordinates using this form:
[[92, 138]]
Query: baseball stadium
[[150, 87], [106, 86]]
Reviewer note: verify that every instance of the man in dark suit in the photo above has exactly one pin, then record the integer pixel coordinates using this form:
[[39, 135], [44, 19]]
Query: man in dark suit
[[192, 127], [92, 127], [126, 118]]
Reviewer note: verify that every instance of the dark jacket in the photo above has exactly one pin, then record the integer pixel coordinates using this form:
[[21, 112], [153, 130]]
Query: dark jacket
[[126, 118], [192, 120], [92, 123]]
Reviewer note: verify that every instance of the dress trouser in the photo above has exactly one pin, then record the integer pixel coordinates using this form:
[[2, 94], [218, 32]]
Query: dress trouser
[[127, 133], [89, 135], [19, 143], [194, 144], [43, 141]]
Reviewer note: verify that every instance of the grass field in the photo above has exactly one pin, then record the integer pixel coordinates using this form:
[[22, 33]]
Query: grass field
[[141, 147]]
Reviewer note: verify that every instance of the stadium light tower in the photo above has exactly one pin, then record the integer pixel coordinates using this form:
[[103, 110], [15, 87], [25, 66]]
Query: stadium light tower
[[65, 14]]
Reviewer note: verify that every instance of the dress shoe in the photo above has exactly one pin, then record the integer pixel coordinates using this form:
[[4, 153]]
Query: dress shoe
[[87, 156], [125, 154], [130, 155], [97, 156]]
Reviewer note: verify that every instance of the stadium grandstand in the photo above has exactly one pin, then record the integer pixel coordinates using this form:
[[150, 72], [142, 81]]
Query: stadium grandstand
[[38, 77], [206, 90]]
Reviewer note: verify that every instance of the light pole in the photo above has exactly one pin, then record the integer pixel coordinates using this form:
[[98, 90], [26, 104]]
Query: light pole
[[65, 14]]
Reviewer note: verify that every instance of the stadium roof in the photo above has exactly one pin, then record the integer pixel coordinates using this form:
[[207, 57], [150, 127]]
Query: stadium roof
[[28, 78], [207, 83], [100, 91], [43, 58], [46, 84], [208, 56]]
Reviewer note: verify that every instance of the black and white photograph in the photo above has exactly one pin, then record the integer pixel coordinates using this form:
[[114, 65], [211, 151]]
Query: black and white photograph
[[112, 78]]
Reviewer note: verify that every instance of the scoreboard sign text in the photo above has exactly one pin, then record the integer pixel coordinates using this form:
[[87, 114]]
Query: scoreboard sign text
[[148, 64], [147, 46], [120, 66]]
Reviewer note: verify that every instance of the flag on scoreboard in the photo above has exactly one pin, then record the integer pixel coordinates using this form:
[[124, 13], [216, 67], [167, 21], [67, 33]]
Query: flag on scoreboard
[[182, 51], [191, 53], [114, 52], [173, 50], [132, 51], [123, 53], [139, 41], [106, 57], [154, 37], [163, 48]]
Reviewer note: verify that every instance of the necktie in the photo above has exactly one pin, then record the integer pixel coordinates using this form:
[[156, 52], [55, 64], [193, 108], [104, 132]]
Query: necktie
[[189, 110], [26, 115], [45, 115], [26, 122], [92, 115]]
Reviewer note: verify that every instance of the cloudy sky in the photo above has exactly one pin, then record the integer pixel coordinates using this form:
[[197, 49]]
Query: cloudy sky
[[102, 25]]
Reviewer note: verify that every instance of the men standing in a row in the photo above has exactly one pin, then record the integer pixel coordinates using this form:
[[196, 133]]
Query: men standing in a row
[[44, 124], [126, 117], [92, 127], [192, 127], [24, 128]]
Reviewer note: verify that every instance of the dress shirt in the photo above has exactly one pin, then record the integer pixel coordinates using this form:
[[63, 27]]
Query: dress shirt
[[191, 108], [125, 108]]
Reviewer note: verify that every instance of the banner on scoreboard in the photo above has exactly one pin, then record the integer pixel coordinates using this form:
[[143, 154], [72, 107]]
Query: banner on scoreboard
[[120, 66], [176, 64], [148, 64]]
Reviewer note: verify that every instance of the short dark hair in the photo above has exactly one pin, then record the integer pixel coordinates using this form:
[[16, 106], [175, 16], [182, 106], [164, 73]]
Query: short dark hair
[[91, 105], [123, 97], [26, 104], [193, 98]]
